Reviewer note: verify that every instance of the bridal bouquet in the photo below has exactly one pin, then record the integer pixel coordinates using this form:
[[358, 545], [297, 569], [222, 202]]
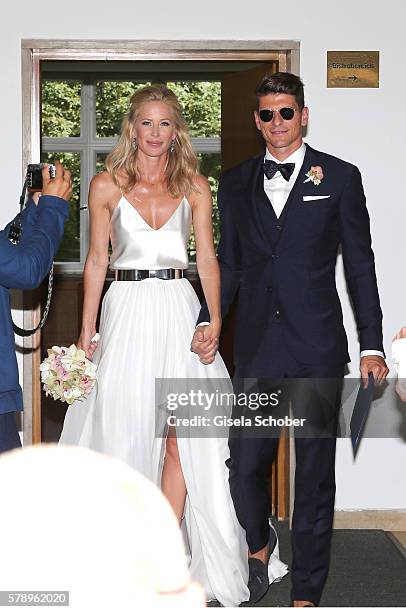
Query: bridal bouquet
[[67, 374]]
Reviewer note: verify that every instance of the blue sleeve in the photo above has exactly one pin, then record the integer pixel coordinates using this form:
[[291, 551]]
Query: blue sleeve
[[25, 265], [27, 216]]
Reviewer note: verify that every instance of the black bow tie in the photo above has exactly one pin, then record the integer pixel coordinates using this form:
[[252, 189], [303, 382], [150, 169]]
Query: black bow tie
[[271, 168]]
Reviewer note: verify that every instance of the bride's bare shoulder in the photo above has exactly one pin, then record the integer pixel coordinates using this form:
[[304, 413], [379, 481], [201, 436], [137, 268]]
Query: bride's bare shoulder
[[201, 190], [104, 182], [201, 183], [104, 192]]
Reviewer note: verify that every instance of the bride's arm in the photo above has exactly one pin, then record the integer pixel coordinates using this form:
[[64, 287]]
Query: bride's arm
[[97, 259], [207, 266]]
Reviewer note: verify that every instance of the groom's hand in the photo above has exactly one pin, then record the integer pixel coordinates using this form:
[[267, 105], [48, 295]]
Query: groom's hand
[[205, 343], [375, 364]]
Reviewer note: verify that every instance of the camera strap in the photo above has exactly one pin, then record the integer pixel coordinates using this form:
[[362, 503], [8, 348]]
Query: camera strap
[[14, 235]]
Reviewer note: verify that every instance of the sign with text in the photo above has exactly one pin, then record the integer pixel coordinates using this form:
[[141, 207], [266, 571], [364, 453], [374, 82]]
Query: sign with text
[[352, 69]]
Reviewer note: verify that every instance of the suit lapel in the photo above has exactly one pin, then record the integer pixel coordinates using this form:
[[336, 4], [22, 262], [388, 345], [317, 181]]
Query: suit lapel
[[258, 206], [295, 196]]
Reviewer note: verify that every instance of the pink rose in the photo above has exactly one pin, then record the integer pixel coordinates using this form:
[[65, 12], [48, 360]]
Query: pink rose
[[317, 171]]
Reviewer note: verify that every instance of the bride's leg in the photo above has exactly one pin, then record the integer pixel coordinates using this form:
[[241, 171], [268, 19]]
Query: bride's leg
[[173, 482]]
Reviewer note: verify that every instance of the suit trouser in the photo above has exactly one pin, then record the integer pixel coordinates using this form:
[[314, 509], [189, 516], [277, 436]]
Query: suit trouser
[[317, 400], [9, 437]]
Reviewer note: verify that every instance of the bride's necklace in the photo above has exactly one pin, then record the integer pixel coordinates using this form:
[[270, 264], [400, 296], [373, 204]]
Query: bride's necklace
[[133, 197], [151, 183]]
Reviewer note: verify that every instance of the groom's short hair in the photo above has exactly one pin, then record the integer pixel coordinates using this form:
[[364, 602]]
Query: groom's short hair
[[281, 83]]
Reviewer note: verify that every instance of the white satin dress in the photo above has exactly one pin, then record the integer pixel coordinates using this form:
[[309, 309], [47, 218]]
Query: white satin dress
[[145, 333]]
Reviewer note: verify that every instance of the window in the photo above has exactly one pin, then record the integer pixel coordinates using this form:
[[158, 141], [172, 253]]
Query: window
[[81, 119]]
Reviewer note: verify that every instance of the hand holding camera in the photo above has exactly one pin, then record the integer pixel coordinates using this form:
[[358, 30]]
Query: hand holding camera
[[49, 180]]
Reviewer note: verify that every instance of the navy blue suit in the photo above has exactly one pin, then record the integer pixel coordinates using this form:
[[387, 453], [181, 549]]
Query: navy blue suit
[[290, 324], [23, 266]]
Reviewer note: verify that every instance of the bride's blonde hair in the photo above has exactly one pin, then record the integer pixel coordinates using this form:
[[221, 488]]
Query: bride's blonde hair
[[181, 169]]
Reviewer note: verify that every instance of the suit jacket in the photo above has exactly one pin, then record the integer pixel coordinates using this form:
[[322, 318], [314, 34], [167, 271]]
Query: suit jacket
[[24, 266], [294, 276]]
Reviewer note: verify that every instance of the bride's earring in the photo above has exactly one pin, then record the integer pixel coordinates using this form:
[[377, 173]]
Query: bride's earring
[[134, 145], [172, 147]]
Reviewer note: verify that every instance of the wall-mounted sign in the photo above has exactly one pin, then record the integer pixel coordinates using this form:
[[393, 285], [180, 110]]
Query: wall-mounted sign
[[352, 68]]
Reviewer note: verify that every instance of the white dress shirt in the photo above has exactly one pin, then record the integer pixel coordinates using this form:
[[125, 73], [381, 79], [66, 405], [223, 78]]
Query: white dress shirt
[[278, 189]]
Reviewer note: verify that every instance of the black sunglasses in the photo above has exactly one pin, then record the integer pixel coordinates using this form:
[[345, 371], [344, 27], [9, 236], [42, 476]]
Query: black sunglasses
[[286, 113]]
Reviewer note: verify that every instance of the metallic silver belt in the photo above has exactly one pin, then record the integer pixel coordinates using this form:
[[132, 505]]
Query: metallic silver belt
[[137, 275]]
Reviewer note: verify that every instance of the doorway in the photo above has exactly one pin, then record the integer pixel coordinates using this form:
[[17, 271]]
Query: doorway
[[235, 66]]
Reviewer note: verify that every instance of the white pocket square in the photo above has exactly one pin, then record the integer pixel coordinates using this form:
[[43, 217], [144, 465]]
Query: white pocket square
[[317, 197]]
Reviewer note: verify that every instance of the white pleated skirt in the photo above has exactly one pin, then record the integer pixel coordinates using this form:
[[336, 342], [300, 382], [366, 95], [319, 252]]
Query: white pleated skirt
[[145, 333]]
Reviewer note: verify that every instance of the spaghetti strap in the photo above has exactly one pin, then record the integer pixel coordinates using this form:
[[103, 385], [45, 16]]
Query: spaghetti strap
[[118, 203]]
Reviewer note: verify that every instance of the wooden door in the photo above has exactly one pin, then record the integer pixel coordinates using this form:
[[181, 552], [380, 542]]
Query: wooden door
[[240, 140]]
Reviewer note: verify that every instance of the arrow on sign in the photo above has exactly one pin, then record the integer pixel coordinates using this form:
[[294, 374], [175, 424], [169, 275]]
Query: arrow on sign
[[352, 78]]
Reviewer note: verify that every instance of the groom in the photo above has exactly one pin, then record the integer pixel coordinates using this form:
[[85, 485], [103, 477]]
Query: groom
[[283, 216]]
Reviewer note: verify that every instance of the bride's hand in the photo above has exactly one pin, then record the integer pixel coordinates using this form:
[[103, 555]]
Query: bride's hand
[[205, 341], [88, 342]]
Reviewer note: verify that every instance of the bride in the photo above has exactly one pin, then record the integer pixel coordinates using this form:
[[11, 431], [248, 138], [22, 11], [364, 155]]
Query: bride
[[145, 204]]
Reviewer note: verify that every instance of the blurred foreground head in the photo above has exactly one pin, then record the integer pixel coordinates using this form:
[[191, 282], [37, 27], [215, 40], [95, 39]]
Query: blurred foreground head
[[74, 520]]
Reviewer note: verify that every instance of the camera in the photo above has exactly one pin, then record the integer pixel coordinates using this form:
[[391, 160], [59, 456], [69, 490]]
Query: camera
[[34, 176]]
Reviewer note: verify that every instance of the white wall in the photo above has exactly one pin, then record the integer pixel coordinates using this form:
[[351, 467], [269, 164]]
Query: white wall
[[365, 126]]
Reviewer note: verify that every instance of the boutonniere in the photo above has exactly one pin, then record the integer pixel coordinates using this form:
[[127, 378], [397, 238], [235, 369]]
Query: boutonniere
[[315, 175]]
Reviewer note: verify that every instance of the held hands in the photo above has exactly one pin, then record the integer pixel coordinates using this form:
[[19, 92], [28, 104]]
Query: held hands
[[375, 364], [88, 341], [205, 342], [60, 186]]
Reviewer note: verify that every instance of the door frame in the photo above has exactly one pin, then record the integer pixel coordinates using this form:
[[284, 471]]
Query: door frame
[[33, 51]]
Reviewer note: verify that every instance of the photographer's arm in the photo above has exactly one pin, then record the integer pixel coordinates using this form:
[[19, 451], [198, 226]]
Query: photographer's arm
[[97, 259], [25, 265]]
